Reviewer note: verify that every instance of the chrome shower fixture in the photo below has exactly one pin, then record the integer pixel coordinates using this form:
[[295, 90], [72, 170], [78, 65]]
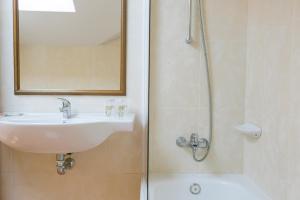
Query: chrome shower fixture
[[189, 39], [196, 144]]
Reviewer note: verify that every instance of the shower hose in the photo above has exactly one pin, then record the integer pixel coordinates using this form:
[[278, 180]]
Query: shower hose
[[206, 59]]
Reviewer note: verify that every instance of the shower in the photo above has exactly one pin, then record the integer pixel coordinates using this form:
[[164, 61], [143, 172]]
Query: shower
[[195, 142]]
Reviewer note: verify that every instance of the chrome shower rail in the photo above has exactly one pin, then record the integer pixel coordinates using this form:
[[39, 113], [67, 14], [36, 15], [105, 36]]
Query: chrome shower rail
[[188, 39]]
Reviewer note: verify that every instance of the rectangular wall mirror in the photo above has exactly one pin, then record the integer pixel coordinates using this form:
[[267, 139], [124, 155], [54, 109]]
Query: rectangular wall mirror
[[70, 47]]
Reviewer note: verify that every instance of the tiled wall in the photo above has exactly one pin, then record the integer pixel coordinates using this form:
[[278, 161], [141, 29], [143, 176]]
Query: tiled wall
[[111, 171], [272, 97], [260, 34], [178, 104]]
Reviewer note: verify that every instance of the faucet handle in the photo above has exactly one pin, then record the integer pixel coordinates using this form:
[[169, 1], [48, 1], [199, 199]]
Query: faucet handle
[[181, 142], [65, 102]]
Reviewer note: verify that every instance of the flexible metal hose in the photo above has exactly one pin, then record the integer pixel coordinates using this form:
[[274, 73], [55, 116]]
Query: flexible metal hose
[[209, 91]]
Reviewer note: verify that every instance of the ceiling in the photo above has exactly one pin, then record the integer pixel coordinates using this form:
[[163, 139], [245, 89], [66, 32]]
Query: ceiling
[[94, 22]]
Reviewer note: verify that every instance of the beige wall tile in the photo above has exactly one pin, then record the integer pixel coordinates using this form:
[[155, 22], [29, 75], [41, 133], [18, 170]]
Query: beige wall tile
[[36, 186], [272, 97]]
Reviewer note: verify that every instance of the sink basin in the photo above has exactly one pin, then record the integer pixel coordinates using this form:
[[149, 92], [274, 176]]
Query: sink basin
[[50, 133]]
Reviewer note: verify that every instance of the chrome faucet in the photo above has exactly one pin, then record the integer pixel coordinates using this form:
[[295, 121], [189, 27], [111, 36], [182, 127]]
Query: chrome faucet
[[66, 108], [196, 143]]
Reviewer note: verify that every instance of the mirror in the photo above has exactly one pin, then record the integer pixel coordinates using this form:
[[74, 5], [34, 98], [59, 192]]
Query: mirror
[[70, 47]]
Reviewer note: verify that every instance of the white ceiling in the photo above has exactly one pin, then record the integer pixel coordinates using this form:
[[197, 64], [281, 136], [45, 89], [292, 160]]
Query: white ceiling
[[93, 23]]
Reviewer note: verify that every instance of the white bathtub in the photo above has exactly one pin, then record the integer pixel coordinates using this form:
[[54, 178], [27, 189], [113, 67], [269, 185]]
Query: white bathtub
[[213, 187]]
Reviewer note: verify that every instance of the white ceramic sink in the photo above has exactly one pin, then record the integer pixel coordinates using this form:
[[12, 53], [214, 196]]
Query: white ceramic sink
[[50, 133]]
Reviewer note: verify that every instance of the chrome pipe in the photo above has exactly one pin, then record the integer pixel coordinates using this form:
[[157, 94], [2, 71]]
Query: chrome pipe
[[189, 39], [64, 162]]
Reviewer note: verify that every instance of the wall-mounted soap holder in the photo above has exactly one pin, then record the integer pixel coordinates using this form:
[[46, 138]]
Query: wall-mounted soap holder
[[250, 130]]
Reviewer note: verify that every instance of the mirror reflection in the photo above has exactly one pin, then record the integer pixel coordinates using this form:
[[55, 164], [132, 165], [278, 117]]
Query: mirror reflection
[[67, 46]]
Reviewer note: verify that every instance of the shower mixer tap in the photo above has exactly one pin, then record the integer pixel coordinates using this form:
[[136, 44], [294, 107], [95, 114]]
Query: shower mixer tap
[[196, 143]]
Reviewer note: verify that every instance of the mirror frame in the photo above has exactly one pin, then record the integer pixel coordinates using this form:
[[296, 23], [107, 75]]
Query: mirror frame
[[17, 85]]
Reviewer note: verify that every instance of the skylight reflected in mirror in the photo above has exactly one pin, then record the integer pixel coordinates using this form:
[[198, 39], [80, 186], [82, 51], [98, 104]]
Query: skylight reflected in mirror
[[47, 5]]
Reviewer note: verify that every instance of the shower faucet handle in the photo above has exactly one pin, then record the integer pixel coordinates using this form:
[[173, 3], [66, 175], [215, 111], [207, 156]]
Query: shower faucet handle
[[182, 142], [203, 143]]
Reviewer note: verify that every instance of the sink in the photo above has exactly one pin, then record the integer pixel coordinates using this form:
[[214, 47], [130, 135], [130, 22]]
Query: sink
[[50, 133]]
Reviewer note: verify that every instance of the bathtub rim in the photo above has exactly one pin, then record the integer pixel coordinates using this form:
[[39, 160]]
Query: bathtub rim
[[232, 178]]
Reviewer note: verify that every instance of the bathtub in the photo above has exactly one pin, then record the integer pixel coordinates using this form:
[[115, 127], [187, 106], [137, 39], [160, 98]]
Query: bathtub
[[202, 187]]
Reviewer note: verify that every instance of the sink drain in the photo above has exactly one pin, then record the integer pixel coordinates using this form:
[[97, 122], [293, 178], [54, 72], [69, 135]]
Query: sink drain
[[195, 188]]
